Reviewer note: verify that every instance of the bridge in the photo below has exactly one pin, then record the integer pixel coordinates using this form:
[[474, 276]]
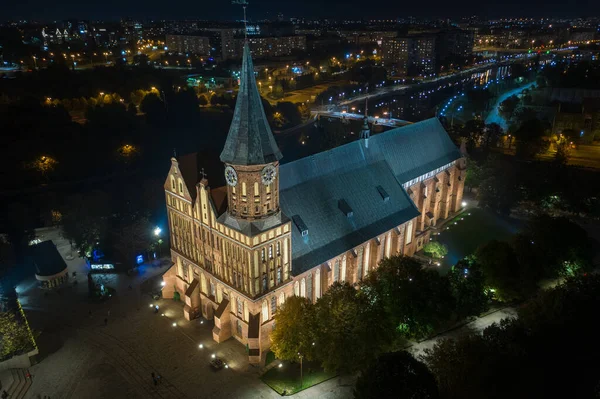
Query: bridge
[[391, 122]]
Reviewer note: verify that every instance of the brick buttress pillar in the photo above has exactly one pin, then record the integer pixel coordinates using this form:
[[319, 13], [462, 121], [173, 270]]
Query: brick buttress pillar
[[222, 329]]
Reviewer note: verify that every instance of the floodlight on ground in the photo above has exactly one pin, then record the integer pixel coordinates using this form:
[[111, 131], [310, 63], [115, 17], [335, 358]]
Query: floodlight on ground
[[280, 365], [162, 283], [201, 346], [157, 231], [151, 305], [174, 324], [464, 203], [213, 356]]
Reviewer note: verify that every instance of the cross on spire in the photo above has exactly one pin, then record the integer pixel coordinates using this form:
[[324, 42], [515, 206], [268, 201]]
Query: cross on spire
[[204, 175], [244, 4]]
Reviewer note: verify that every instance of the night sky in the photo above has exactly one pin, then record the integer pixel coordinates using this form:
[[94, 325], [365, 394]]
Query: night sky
[[223, 10]]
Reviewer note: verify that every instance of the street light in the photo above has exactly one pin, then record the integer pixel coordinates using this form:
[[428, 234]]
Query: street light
[[157, 231], [301, 377]]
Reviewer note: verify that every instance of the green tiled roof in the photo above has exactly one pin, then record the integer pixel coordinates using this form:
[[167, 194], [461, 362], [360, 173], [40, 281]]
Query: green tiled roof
[[249, 141], [319, 204], [313, 189]]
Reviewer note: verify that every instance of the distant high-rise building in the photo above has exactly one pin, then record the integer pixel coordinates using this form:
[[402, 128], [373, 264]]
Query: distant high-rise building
[[412, 55], [199, 45], [423, 54]]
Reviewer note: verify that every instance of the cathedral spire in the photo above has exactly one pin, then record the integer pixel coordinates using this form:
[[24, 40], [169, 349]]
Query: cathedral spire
[[365, 133], [249, 141]]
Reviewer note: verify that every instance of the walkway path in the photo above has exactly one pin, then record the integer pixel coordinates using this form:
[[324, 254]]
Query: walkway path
[[494, 115]]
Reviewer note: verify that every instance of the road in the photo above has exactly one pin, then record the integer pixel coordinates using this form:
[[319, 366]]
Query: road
[[400, 88]]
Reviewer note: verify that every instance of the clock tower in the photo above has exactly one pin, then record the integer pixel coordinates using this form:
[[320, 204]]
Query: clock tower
[[250, 154]]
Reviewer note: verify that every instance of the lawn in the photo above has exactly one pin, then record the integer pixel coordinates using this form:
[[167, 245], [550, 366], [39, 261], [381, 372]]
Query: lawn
[[287, 377], [472, 228]]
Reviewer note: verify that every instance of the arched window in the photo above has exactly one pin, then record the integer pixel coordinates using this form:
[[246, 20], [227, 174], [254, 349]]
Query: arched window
[[203, 283], [256, 192], [281, 299], [265, 311], [278, 248], [243, 189], [318, 284], [303, 288], [270, 251], [296, 289], [343, 277], [262, 254], [359, 263], [273, 305], [336, 271]]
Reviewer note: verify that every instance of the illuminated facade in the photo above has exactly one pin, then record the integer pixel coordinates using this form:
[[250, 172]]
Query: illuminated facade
[[277, 230], [182, 44]]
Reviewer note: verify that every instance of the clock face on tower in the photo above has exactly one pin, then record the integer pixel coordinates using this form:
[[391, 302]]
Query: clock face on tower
[[268, 174], [231, 176]]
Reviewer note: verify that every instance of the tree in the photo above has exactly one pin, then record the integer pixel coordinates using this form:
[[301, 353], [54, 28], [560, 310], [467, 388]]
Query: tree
[[467, 284], [473, 132], [132, 236], [502, 271], [416, 300], [290, 112], [202, 100], [494, 364], [435, 249], [396, 375], [154, 108], [508, 106], [492, 134], [345, 339], [15, 335], [295, 329], [530, 136], [85, 220], [551, 247], [497, 188]]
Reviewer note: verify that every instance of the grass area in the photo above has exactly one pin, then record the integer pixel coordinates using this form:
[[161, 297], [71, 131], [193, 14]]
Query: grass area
[[287, 378], [474, 227]]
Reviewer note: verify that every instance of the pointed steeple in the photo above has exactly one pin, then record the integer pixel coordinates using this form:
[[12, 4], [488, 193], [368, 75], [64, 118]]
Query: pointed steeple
[[365, 133], [250, 140]]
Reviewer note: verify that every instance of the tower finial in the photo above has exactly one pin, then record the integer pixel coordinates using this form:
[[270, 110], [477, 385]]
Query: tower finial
[[244, 4], [366, 132], [174, 152]]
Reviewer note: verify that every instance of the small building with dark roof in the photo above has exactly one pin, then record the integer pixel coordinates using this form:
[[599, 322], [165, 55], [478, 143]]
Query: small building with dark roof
[[50, 267]]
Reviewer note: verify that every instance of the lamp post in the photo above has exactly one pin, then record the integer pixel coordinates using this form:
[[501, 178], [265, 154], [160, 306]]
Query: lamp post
[[157, 231], [301, 377]]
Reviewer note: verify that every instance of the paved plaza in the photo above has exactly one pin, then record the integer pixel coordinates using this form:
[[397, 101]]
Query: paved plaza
[[80, 357]]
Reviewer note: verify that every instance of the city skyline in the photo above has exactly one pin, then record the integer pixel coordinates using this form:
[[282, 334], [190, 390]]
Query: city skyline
[[270, 9]]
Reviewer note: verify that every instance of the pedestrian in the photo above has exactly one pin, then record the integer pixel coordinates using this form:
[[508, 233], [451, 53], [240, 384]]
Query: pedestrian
[[158, 378], [105, 321]]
